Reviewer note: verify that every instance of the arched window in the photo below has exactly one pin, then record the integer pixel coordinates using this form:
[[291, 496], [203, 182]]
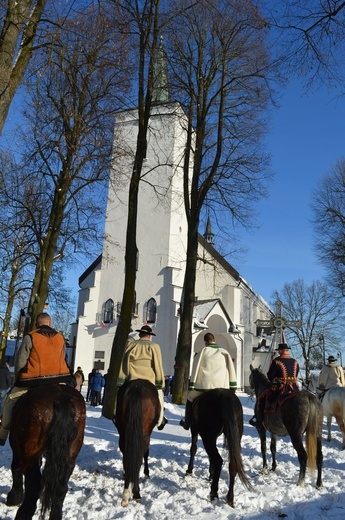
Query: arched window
[[135, 312], [108, 311], [151, 311]]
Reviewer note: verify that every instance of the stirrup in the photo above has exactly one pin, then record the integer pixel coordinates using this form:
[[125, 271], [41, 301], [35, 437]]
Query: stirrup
[[253, 421]]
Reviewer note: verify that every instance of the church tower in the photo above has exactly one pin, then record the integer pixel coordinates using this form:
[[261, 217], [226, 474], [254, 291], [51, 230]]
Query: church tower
[[225, 304], [161, 231]]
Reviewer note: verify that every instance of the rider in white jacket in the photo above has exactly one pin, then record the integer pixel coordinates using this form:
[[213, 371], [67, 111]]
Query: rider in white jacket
[[212, 368]]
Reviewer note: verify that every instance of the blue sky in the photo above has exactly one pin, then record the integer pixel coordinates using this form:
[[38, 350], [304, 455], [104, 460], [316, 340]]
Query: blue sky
[[307, 137]]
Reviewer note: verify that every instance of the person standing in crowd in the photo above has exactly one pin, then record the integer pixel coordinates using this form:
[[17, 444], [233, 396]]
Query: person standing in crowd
[[40, 360], [97, 383], [212, 368], [331, 375], [283, 374], [88, 392], [79, 377], [142, 359], [5, 384]]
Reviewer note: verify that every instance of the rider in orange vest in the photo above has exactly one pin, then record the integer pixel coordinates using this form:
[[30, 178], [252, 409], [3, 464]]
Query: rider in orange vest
[[40, 360]]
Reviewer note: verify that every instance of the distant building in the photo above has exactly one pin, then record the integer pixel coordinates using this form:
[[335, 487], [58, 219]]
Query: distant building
[[226, 304]]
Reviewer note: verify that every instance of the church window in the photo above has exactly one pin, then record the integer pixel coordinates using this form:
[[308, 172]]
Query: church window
[[135, 306], [151, 311], [108, 311]]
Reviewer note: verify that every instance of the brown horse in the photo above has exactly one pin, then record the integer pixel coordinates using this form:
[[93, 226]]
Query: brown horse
[[137, 413], [47, 421], [300, 414], [215, 412]]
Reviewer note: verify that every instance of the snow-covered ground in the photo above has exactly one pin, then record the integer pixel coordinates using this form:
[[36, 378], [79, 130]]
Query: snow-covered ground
[[95, 488]]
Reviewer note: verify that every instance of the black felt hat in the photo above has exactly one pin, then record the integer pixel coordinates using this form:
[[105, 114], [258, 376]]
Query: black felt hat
[[146, 329], [283, 346]]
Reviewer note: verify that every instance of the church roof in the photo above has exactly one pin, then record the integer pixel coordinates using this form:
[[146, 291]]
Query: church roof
[[220, 259], [202, 309], [91, 268]]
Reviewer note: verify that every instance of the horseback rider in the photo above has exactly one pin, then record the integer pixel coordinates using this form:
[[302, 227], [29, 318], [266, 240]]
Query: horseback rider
[[212, 368], [40, 360], [331, 375], [142, 359], [283, 374]]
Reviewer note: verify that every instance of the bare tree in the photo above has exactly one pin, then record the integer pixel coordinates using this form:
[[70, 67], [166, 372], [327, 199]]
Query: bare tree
[[310, 37], [328, 207], [17, 243], [219, 70], [320, 312], [141, 20], [69, 149]]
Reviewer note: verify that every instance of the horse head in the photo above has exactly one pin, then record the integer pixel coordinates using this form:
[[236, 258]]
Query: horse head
[[258, 380]]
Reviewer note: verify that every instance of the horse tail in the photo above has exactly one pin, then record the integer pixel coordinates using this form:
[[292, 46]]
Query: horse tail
[[134, 440], [312, 432], [58, 465], [233, 428]]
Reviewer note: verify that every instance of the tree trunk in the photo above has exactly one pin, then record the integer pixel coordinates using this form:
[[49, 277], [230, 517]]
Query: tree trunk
[[16, 45], [39, 293], [184, 342], [123, 327]]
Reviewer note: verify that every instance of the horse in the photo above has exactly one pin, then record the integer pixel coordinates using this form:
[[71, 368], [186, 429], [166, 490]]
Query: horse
[[137, 413], [333, 403], [47, 421], [215, 412], [301, 413]]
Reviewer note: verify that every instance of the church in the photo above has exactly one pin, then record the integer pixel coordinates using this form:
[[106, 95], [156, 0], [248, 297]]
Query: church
[[225, 303]]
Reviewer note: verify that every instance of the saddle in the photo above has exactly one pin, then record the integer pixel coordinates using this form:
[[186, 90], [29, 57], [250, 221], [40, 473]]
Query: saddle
[[277, 395]]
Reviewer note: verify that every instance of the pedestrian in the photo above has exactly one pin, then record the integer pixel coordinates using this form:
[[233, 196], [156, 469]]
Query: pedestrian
[[105, 384], [142, 359], [97, 383], [283, 374], [40, 360], [212, 368], [79, 377], [5, 384], [88, 392], [331, 375]]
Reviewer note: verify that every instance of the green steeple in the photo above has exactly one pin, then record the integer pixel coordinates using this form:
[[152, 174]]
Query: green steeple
[[208, 235], [160, 92]]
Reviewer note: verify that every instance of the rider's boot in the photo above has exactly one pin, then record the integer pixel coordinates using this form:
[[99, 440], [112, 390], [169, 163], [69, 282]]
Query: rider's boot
[[185, 423]]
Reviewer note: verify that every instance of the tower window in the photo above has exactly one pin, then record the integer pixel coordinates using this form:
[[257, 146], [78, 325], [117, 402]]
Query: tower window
[[108, 311], [151, 311]]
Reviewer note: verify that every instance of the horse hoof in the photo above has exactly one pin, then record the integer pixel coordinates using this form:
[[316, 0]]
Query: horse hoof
[[14, 500], [231, 503], [124, 503], [213, 496]]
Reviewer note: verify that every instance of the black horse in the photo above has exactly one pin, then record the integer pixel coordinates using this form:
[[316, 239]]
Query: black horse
[[215, 412], [47, 421], [137, 413], [297, 415]]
